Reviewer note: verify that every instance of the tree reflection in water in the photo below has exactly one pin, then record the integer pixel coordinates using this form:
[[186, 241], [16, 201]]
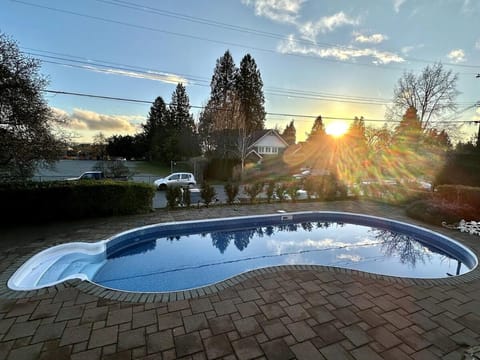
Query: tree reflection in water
[[241, 238], [409, 250]]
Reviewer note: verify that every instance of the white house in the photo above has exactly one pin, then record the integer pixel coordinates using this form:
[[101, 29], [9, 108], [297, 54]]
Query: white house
[[266, 143]]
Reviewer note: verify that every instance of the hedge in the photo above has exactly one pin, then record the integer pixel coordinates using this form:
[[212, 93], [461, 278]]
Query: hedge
[[62, 200], [460, 194]]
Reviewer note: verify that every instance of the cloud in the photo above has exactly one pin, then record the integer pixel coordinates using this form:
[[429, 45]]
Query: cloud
[[349, 257], [290, 46], [277, 10], [407, 49], [457, 56], [477, 44], [371, 39], [397, 4], [288, 11], [309, 30], [81, 120], [149, 75]]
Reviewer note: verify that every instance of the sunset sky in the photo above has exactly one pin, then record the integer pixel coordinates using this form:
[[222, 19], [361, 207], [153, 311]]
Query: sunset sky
[[338, 58]]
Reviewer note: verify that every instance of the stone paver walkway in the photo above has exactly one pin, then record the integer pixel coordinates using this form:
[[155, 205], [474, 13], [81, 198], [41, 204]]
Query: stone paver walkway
[[305, 314]]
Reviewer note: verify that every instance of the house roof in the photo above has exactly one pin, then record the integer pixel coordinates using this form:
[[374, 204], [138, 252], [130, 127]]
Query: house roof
[[260, 134]]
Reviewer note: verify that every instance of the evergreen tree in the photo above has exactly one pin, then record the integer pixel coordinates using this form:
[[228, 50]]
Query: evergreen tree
[[289, 134], [182, 131], [156, 129], [318, 129], [248, 86], [223, 79]]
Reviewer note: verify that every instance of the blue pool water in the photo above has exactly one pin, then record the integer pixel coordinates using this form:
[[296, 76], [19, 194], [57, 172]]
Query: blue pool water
[[188, 255]]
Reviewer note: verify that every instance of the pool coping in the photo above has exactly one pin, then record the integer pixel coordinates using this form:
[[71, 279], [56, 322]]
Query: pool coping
[[149, 297]]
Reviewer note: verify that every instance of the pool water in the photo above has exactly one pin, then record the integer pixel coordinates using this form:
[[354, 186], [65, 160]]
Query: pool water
[[189, 261], [186, 255]]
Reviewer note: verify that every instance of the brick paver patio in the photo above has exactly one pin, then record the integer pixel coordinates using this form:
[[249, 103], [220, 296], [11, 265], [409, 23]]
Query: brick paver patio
[[286, 313]]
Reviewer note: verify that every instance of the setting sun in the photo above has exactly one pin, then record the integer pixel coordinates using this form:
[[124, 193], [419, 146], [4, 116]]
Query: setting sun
[[336, 128]]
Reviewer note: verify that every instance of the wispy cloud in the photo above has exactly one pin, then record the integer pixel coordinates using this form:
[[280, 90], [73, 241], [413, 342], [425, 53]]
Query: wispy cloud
[[350, 257], [149, 75], [81, 119], [457, 56], [408, 49], [288, 11], [369, 39], [291, 46], [277, 10], [397, 4], [309, 30]]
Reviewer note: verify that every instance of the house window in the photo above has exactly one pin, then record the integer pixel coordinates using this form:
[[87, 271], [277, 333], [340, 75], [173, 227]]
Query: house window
[[267, 150]]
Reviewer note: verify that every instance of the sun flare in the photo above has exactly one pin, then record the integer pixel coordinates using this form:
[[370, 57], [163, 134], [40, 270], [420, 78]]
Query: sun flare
[[336, 129]]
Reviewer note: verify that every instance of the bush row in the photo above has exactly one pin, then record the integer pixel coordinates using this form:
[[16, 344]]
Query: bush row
[[391, 193], [460, 194], [45, 201]]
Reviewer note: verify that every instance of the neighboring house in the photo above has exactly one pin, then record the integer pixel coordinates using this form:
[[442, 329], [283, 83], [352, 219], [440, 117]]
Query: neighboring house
[[265, 143]]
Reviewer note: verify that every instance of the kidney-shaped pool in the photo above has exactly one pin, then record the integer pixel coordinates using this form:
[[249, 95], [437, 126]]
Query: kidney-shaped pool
[[185, 255]]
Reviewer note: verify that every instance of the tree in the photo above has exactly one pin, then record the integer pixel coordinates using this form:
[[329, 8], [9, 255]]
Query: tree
[[127, 146], [28, 137], [248, 87], [318, 129], [234, 111], [99, 146], [156, 129], [415, 153], [289, 134], [183, 132], [223, 79], [432, 93]]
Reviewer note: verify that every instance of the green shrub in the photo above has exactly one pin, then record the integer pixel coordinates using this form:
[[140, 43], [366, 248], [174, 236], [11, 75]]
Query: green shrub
[[309, 186], [292, 190], [280, 191], [61, 200], [173, 195], [393, 193], [270, 190], [231, 190], [187, 197], [207, 193], [253, 190]]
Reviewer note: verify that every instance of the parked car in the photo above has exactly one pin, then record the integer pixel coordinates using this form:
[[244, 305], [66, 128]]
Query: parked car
[[175, 179], [89, 175], [302, 175]]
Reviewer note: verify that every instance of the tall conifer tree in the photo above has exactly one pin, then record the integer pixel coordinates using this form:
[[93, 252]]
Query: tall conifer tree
[[249, 89]]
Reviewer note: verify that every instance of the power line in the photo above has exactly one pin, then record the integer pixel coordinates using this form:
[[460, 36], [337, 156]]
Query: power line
[[201, 81], [247, 30], [149, 28], [306, 116]]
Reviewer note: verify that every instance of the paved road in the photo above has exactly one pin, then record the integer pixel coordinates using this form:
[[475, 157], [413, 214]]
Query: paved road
[[159, 200]]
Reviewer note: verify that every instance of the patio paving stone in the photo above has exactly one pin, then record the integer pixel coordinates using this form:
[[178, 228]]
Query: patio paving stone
[[303, 312]]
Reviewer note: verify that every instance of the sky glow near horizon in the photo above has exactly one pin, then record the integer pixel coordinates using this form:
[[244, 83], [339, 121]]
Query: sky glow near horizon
[[342, 50]]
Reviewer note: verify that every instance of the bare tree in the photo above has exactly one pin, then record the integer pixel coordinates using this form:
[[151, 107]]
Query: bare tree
[[432, 93]]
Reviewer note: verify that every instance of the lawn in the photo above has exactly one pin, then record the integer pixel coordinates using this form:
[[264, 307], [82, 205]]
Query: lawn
[[151, 167]]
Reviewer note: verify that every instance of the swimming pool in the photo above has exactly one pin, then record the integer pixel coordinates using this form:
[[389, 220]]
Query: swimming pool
[[185, 255]]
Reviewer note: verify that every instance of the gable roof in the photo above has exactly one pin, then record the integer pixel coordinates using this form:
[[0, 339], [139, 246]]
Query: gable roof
[[260, 134]]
